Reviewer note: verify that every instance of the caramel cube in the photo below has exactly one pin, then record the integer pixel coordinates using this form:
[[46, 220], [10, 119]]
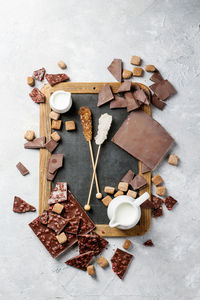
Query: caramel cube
[[161, 190], [57, 208], [135, 60], [127, 74], [173, 160], [30, 81], [70, 125], [157, 179], [102, 261], [137, 71], [29, 135], [91, 270], [62, 65], [106, 200], [109, 190], [55, 136], [126, 244], [132, 194], [123, 186], [62, 238], [54, 115], [56, 124], [150, 68], [119, 193]]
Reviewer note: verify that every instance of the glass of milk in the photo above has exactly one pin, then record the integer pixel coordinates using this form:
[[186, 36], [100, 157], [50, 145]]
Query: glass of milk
[[60, 101]]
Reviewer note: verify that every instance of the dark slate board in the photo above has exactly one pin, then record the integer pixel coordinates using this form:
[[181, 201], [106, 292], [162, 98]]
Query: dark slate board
[[77, 170]]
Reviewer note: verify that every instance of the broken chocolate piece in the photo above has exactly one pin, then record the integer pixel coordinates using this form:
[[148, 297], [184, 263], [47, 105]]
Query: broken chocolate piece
[[115, 68], [23, 170], [53, 79], [147, 204], [157, 201], [128, 177], [87, 243], [131, 102], [118, 102], [56, 222], [73, 225], [158, 212], [157, 102], [125, 86], [43, 218], [50, 176], [144, 138], [39, 74], [156, 77], [21, 206], [37, 96], [81, 261], [37, 143], [141, 96], [105, 95], [148, 243], [144, 168], [138, 182], [59, 193], [51, 145], [120, 262], [163, 90], [102, 242], [55, 162], [170, 202]]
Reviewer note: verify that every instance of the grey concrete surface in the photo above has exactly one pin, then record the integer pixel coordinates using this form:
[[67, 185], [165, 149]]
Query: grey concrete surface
[[88, 35]]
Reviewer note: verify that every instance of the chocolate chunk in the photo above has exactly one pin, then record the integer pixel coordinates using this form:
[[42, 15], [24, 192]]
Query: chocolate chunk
[[37, 96], [23, 170], [163, 89], [59, 193], [50, 176], [170, 202], [158, 212], [157, 201], [147, 204], [141, 96], [131, 102], [81, 261], [128, 177], [156, 77], [144, 138], [148, 243], [56, 222], [53, 79], [125, 86], [73, 225], [144, 168], [157, 102], [39, 74], [55, 162], [138, 182], [102, 242], [118, 102], [37, 143], [105, 95], [120, 262], [87, 243], [51, 145], [43, 218], [21, 206], [115, 68]]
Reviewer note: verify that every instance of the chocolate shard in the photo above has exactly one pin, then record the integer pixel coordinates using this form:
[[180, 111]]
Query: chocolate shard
[[50, 176], [128, 177], [59, 193], [163, 90], [148, 243], [156, 77], [118, 102], [147, 204], [51, 145], [143, 138], [131, 102], [73, 225], [158, 212], [157, 201], [170, 202], [87, 243], [125, 86], [55, 162], [39, 74], [120, 262], [56, 222], [53, 79], [23, 170], [138, 182], [37, 143], [102, 242], [144, 168], [43, 218], [105, 95], [37, 96], [157, 102], [115, 68], [21, 206], [141, 96], [81, 261]]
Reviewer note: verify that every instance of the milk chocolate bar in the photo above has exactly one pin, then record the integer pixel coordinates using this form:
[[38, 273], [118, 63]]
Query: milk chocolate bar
[[21, 206], [23, 170], [120, 262], [53, 79], [105, 95], [81, 261], [115, 68]]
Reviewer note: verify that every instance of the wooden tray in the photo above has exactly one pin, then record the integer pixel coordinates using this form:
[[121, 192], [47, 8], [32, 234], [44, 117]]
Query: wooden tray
[[45, 130]]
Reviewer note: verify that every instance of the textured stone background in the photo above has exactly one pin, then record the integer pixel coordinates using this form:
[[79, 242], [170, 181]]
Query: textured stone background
[[88, 35]]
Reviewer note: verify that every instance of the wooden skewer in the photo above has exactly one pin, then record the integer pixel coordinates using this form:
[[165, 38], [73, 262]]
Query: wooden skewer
[[87, 206], [98, 195]]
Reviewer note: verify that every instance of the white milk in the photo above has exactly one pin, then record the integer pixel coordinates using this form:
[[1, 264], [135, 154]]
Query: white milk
[[60, 101], [126, 214]]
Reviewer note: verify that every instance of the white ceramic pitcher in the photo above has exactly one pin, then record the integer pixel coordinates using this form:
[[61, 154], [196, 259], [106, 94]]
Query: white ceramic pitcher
[[124, 212]]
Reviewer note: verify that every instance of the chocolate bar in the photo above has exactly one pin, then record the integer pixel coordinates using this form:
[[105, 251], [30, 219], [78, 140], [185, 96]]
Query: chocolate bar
[[81, 261], [120, 262], [23, 170], [157, 201], [157, 102], [37, 143], [170, 202], [59, 193], [163, 89], [115, 68], [37, 96], [156, 77], [39, 74], [87, 243], [21, 206], [105, 95], [53, 79], [55, 162], [56, 222]]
